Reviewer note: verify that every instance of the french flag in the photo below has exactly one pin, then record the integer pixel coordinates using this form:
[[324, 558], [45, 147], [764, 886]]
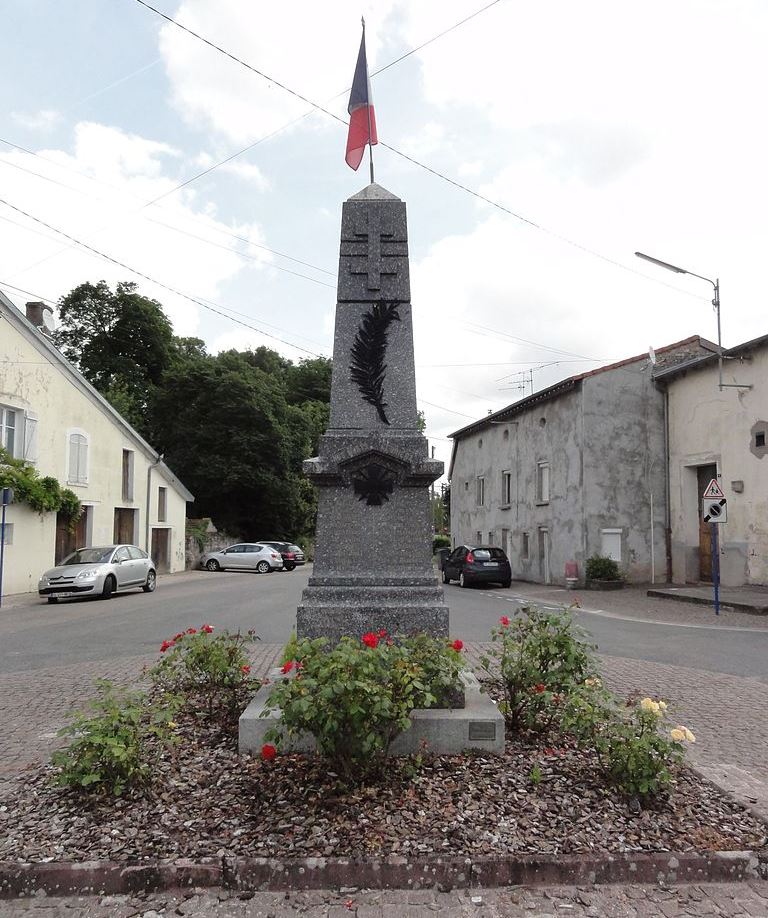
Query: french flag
[[362, 117]]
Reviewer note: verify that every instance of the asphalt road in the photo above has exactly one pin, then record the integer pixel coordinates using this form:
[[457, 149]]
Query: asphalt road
[[35, 635]]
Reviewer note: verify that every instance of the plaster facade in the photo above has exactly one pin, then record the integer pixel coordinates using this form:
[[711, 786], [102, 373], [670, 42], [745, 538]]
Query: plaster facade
[[570, 472], [67, 430], [727, 429]]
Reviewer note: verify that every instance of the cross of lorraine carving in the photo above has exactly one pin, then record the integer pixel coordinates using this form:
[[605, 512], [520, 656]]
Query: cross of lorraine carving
[[376, 229]]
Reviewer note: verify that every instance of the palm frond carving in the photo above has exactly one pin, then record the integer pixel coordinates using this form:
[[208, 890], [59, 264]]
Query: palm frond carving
[[368, 368]]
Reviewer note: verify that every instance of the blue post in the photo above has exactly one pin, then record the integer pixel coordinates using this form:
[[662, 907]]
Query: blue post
[[2, 541], [716, 566]]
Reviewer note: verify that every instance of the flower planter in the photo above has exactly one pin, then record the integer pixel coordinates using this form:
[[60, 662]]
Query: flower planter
[[604, 584]]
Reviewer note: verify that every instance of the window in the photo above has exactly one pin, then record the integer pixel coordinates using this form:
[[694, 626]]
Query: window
[[136, 554], [525, 551], [490, 538], [480, 493], [542, 482], [466, 486], [121, 555], [78, 458], [8, 422], [610, 544], [479, 539], [760, 438], [506, 489], [128, 475], [30, 436], [162, 504], [7, 534]]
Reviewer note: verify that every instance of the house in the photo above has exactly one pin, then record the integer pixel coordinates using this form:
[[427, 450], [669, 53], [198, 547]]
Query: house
[[574, 470], [52, 417], [719, 432]]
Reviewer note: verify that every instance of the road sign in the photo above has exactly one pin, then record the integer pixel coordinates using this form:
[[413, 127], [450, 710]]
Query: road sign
[[7, 496], [714, 510], [713, 490]]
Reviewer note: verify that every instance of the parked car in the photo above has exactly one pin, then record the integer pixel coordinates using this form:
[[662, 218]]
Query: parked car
[[291, 554], [99, 571], [245, 556], [477, 564]]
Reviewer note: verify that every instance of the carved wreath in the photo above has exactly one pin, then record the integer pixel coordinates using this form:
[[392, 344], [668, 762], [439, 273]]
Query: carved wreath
[[368, 368], [373, 483]]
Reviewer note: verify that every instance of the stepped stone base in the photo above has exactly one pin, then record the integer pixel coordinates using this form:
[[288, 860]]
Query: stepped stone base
[[445, 731]]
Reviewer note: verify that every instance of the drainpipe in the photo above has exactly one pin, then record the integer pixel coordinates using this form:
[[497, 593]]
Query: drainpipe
[[151, 466], [667, 508]]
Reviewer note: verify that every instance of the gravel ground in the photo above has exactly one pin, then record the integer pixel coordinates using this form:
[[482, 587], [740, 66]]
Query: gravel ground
[[206, 800]]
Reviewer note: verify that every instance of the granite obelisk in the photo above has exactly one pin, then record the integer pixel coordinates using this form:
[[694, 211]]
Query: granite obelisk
[[373, 553]]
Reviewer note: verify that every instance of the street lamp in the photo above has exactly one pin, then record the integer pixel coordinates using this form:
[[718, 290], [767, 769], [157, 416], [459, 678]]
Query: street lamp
[[715, 302]]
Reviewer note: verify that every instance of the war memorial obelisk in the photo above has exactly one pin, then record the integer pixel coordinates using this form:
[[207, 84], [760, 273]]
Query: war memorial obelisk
[[373, 554]]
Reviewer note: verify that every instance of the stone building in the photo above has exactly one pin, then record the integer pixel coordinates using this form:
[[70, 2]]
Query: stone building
[[53, 418], [723, 434], [574, 470]]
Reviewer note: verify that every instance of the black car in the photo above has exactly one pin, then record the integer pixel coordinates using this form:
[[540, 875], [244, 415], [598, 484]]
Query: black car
[[477, 564], [292, 554]]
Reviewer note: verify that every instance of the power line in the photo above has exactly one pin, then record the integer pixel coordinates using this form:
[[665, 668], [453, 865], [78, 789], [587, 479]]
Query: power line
[[216, 309], [411, 159]]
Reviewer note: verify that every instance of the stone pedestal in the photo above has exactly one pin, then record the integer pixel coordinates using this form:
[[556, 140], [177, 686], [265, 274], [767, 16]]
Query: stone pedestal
[[373, 553]]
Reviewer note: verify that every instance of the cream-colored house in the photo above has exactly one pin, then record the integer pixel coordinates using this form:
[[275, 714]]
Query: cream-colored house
[[719, 433], [51, 416]]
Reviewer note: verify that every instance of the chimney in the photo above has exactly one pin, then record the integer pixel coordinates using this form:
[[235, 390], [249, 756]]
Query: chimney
[[41, 316]]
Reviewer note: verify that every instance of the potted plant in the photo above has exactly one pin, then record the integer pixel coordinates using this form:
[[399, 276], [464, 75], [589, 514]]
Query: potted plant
[[603, 574]]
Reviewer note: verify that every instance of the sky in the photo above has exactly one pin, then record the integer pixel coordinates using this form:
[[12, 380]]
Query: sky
[[581, 132]]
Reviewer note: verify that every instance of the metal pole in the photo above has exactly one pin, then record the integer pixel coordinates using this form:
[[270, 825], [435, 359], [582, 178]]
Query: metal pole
[[716, 566], [716, 304], [368, 96], [653, 554], [2, 545]]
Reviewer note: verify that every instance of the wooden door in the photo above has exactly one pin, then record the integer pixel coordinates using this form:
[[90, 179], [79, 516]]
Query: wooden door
[[704, 474], [68, 539], [124, 526], [160, 549]]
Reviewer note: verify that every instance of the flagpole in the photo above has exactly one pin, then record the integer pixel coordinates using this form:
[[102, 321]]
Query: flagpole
[[368, 93]]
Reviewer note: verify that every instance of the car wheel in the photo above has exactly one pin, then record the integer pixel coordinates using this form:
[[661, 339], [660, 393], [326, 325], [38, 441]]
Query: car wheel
[[506, 584], [109, 588], [446, 578], [149, 586], [463, 582], [288, 567], [53, 599], [263, 567], [212, 565]]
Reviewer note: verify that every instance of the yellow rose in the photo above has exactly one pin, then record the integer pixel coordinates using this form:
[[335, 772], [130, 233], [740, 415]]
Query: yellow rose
[[677, 734], [663, 707], [593, 682], [688, 735], [172, 724], [649, 705]]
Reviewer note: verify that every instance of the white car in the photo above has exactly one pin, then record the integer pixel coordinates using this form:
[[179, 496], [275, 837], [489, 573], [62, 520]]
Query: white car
[[245, 556], [99, 571]]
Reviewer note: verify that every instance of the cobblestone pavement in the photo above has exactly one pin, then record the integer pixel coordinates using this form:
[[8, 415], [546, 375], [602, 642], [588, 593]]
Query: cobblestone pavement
[[727, 899]]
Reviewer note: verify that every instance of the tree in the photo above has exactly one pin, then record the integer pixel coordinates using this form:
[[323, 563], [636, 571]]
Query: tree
[[120, 341]]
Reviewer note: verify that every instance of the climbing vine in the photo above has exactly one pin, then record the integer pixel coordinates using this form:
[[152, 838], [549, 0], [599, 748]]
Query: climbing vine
[[43, 494]]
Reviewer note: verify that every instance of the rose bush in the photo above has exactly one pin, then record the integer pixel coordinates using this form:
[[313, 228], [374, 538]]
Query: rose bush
[[356, 697]]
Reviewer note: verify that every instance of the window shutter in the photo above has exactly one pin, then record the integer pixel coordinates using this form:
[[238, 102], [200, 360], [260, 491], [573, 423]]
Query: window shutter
[[82, 464], [30, 436], [73, 457]]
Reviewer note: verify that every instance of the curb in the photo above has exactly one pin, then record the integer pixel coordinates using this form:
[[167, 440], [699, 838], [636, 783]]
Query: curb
[[274, 874], [729, 604]]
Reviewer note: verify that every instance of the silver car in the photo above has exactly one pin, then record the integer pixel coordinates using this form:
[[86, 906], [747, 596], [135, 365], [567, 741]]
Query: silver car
[[245, 556], [99, 572]]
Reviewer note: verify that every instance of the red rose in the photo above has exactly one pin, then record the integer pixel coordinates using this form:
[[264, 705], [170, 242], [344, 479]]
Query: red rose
[[208, 629], [245, 669], [287, 666], [539, 688], [383, 633], [504, 621], [191, 630], [179, 636], [165, 645], [458, 645], [268, 752], [370, 639]]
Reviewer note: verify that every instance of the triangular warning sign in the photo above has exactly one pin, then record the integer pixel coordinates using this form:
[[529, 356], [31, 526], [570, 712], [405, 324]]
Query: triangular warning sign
[[712, 490]]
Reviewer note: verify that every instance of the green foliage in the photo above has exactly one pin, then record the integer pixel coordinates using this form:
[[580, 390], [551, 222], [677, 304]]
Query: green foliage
[[203, 669], [540, 657], [356, 697], [111, 749], [600, 568], [635, 753], [440, 541], [45, 495]]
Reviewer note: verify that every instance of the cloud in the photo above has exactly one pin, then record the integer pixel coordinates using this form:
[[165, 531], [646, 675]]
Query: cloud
[[248, 172], [44, 121]]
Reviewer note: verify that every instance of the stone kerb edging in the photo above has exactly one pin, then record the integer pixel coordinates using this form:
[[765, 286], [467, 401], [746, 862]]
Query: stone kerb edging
[[109, 877]]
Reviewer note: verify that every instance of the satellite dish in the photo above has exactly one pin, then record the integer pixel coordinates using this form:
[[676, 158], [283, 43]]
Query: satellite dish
[[652, 355], [48, 321]]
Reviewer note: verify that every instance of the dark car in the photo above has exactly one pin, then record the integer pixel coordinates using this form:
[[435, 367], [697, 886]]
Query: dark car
[[292, 554], [477, 564]]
